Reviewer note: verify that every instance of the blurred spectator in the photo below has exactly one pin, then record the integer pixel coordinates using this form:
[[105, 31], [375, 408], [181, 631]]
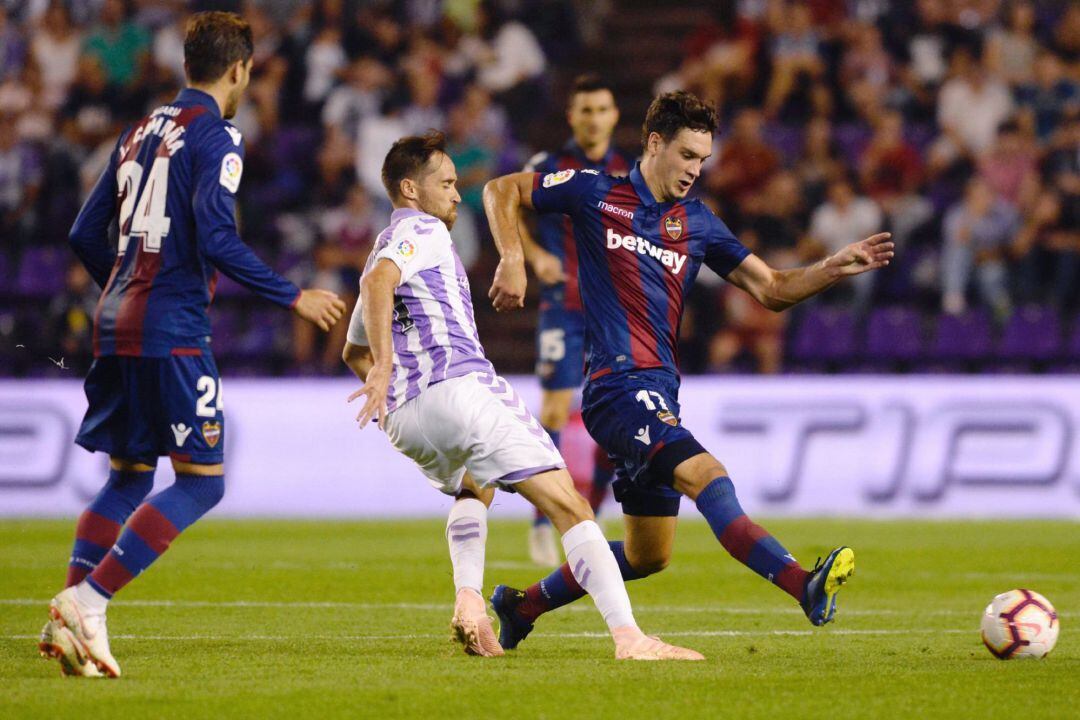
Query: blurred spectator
[[70, 320], [977, 233], [168, 51], [324, 60], [777, 225], [1048, 96], [508, 60], [747, 327], [820, 162], [119, 45], [347, 234], [746, 163], [844, 218], [12, 47], [1010, 167], [890, 167], [971, 106], [866, 71], [20, 183], [796, 53], [1048, 250], [55, 51], [1010, 52]]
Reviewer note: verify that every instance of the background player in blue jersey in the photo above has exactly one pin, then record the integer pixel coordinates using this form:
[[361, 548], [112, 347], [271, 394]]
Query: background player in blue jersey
[[153, 388], [640, 244], [560, 333]]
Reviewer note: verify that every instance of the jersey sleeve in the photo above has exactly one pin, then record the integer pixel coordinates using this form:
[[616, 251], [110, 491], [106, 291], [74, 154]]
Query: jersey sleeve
[[357, 334], [218, 168], [89, 236], [417, 245], [723, 252], [563, 191]]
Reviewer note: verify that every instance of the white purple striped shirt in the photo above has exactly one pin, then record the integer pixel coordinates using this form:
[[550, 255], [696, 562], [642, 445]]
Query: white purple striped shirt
[[433, 328]]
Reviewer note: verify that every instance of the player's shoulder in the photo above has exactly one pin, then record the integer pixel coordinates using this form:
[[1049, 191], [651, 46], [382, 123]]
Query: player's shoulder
[[579, 177], [216, 134], [421, 227]]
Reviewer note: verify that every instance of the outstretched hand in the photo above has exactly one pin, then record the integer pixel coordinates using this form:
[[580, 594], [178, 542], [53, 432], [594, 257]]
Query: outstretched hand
[[375, 389], [870, 254], [548, 268]]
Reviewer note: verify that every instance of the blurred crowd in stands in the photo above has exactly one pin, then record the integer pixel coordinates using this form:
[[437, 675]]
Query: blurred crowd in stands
[[954, 124]]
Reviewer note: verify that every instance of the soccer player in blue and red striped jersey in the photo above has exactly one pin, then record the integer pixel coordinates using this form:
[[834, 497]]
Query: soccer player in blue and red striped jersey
[[560, 334], [154, 388], [640, 245]]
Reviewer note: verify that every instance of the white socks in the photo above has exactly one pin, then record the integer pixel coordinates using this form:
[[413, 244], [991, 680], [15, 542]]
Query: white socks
[[597, 571], [90, 598], [466, 533]]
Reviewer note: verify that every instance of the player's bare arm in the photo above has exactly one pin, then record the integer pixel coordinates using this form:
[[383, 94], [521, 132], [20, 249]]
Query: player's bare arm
[[504, 198], [377, 298], [358, 358], [780, 289], [319, 307]]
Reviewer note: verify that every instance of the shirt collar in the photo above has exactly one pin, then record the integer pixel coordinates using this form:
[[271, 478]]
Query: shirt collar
[[199, 98], [641, 186], [402, 213], [576, 150]]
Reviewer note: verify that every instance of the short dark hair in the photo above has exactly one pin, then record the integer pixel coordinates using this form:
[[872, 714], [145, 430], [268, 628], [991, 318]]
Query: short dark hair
[[671, 112], [213, 41], [587, 83], [407, 157]]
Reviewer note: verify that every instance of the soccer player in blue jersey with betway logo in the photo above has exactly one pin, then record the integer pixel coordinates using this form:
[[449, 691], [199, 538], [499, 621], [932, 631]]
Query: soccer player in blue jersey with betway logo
[[154, 389], [640, 245]]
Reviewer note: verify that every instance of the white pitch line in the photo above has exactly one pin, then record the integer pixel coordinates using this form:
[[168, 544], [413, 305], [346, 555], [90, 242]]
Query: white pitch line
[[446, 607], [560, 636]]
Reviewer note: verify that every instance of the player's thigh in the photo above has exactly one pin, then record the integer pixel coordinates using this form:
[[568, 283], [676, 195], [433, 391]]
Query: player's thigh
[[649, 542], [505, 443], [635, 419], [190, 418], [438, 455]]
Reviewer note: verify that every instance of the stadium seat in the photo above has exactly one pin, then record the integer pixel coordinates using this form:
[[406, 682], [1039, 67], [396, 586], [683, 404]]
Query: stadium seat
[[1032, 333], [894, 334], [960, 339], [41, 272], [824, 335]]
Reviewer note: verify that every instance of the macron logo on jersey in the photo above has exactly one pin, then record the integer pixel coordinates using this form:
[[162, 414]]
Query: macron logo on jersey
[[670, 259]]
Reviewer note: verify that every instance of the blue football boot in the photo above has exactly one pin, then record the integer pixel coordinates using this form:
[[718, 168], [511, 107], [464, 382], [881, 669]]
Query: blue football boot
[[512, 628], [824, 583]]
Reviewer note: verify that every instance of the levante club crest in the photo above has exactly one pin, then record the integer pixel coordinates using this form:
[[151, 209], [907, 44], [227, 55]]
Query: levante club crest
[[673, 225], [211, 432]]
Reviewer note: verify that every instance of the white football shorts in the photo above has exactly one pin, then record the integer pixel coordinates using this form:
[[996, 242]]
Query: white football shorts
[[478, 423]]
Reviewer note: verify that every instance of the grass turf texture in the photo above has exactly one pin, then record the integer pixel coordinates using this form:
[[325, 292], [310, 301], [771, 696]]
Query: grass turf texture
[[350, 619]]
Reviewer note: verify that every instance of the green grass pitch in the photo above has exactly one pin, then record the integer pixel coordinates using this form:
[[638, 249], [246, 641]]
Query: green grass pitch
[[351, 619]]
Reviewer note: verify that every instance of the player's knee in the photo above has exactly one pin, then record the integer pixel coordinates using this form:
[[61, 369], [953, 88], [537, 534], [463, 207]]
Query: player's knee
[[649, 562], [205, 491], [651, 565]]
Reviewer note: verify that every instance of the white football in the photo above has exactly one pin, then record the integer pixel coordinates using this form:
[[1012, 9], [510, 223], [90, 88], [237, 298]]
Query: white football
[[1019, 623]]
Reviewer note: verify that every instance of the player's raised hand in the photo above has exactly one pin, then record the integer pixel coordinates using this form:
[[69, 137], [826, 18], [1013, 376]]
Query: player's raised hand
[[320, 307], [870, 254], [376, 387], [548, 267], [508, 289]]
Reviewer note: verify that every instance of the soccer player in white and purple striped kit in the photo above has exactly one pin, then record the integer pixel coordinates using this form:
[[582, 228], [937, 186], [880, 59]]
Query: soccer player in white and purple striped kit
[[413, 341]]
